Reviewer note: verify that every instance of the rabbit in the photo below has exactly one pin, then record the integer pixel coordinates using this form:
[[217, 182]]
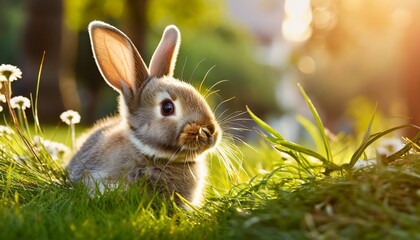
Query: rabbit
[[164, 129]]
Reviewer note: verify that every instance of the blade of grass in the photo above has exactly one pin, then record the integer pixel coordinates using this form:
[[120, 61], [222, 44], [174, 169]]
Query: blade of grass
[[309, 152], [8, 181], [361, 149], [312, 130], [299, 148], [319, 124], [369, 129], [35, 109], [402, 151], [302, 163], [264, 125]]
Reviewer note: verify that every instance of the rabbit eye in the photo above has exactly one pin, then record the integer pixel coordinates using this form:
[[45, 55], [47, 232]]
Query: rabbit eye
[[167, 108]]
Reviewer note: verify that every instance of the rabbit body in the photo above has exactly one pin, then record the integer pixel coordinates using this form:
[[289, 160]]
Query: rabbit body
[[165, 127], [99, 159]]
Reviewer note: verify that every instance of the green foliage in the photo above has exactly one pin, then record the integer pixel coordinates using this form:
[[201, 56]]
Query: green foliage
[[198, 15], [76, 17], [11, 23]]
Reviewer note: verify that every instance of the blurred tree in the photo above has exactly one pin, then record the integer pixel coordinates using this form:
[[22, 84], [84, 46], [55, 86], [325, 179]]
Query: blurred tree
[[411, 68], [137, 24], [11, 22], [42, 32], [196, 15]]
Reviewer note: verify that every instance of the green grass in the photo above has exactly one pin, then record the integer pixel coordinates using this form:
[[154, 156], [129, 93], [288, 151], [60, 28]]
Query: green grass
[[378, 202], [282, 190]]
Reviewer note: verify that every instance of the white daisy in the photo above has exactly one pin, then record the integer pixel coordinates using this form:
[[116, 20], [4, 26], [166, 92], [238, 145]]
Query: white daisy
[[21, 158], [4, 130], [2, 99], [70, 117], [20, 102], [9, 73], [55, 149], [37, 141]]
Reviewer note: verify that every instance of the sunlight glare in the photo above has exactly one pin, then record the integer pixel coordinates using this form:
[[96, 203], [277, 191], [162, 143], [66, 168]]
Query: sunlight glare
[[352, 5], [297, 8], [297, 23], [401, 18], [322, 18]]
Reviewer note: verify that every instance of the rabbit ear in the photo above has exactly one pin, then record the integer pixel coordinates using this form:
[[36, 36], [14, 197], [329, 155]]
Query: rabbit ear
[[164, 58], [117, 58]]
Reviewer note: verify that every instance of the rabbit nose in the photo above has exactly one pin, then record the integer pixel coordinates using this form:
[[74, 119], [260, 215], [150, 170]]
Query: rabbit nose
[[206, 131], [210, 129]]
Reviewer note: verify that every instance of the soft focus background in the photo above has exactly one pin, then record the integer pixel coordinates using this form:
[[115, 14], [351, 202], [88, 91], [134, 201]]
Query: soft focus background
[[352, 56]]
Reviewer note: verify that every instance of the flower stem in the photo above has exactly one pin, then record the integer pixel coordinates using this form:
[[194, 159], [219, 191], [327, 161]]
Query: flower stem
[[8, 94], [73, 137], [20, 117], [26, 124]]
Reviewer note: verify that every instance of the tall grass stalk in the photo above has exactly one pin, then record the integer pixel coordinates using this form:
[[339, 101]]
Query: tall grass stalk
[[35, 108], [320, 125]]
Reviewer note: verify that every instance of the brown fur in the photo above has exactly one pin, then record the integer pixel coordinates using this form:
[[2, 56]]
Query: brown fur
[[114, 163]]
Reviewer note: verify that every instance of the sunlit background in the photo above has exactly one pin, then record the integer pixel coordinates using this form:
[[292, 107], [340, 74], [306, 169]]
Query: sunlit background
[[351, 56]]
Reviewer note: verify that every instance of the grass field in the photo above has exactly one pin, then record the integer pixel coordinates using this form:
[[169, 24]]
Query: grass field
[[279, 190], [380, 202]]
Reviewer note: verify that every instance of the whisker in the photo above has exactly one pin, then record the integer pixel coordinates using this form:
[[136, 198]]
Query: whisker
[[241, 141], [219, 117], [195, 69], [209, 90], [232, 116], [234, 125], [222, 102], [211, 93], [230, 156], [205, 77], [183, 67]]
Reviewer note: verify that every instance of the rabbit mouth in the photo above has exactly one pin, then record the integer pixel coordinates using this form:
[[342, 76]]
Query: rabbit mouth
[[198, 138]]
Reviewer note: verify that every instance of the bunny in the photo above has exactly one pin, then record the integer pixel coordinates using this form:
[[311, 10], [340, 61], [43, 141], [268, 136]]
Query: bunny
[[164, 128]]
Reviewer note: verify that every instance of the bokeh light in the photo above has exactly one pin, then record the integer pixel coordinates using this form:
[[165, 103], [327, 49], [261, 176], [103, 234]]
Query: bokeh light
[[297, 23]]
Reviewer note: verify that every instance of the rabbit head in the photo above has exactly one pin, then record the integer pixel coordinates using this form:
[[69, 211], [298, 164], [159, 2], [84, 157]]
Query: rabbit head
[[165, 117]]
